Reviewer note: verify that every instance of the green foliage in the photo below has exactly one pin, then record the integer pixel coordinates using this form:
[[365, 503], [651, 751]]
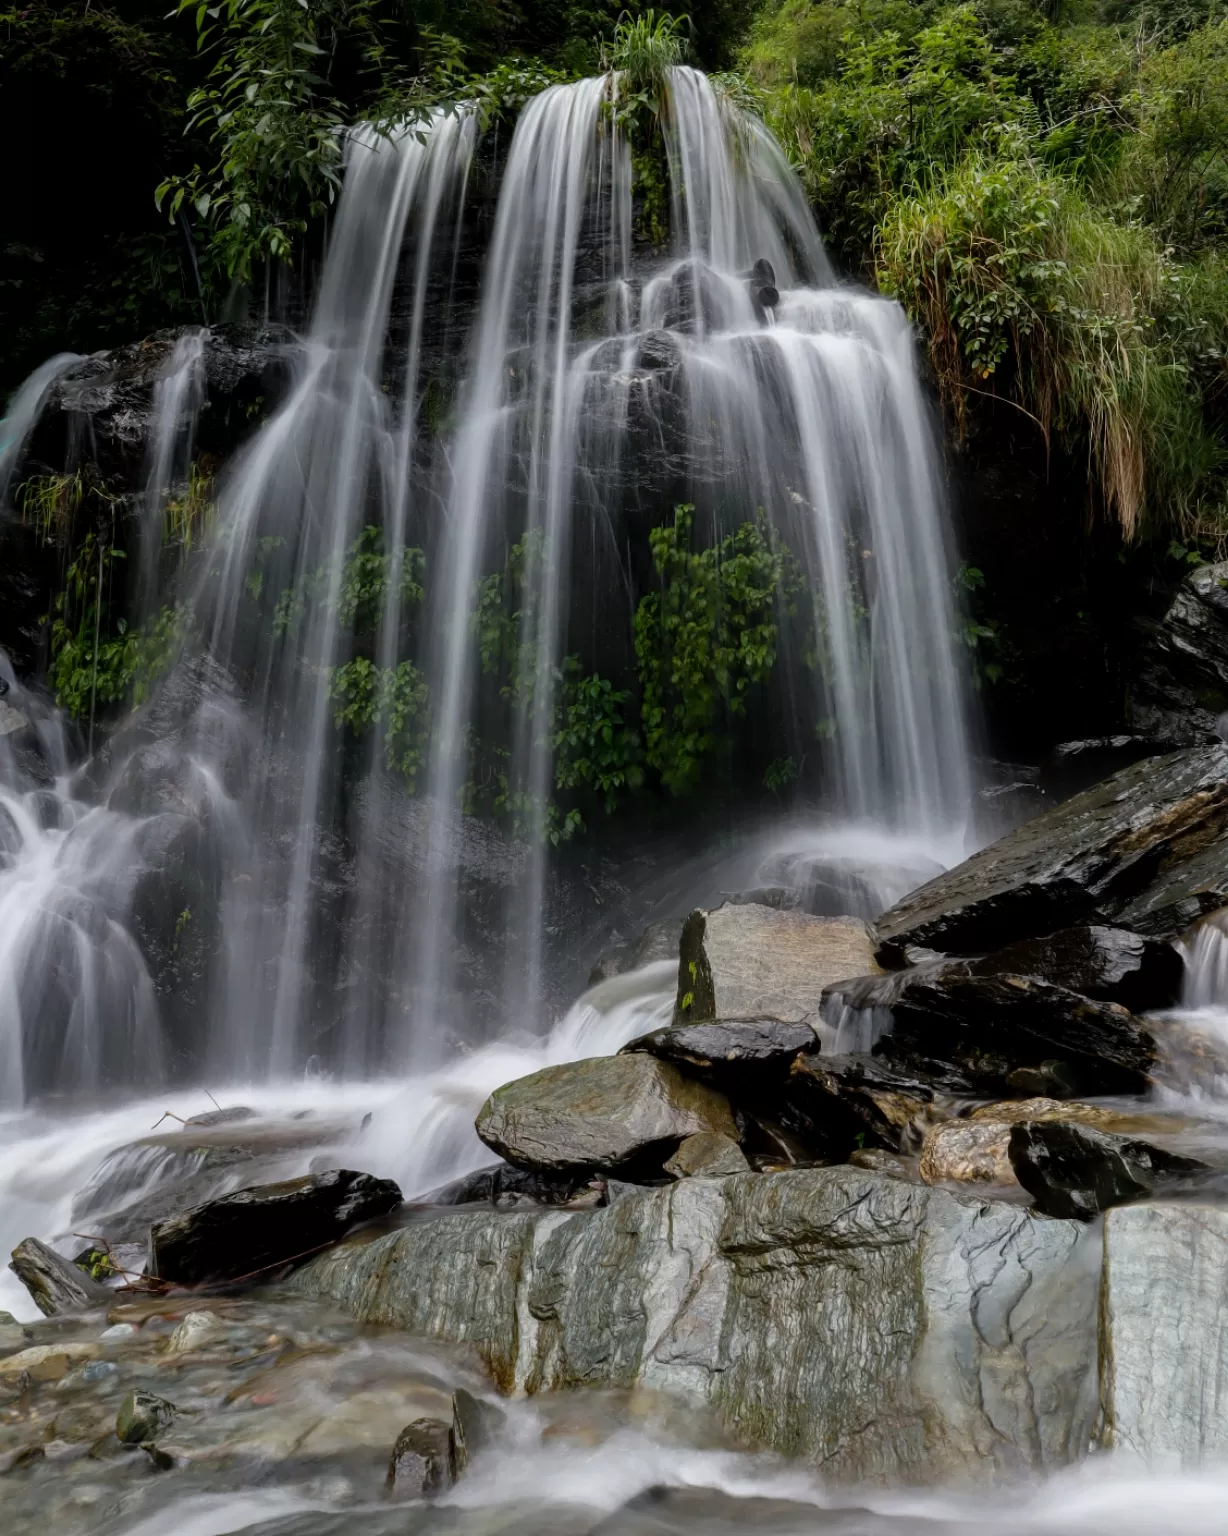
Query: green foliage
[[644, 49], [362, 588], [595, 750], [94, 662], [707, 638], [395, 700]]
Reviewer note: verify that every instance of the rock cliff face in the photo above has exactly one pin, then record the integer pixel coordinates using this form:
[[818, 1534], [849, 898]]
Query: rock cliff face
[[881, 1330]]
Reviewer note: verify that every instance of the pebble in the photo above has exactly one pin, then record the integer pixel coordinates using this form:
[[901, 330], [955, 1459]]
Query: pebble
[[99, 1370], [116, 1333]]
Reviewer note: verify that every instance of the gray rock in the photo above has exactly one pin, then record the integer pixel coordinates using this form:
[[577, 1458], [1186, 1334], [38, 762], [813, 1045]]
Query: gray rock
[[254, 1230], [659, 941], [607, 1114], [1164, 1332], [708, 1155], [1076, 1171], [54, 1283], [879, 1329], [423, 1461], [474, 1426], [1102, 857], [746, 961], [142, 1417], [720, 1044]]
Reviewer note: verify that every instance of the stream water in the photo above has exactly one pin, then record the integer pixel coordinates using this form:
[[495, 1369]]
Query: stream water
[[315, 954]]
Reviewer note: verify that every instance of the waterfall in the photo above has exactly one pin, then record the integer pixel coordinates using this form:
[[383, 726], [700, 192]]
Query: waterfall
[[603, 381]]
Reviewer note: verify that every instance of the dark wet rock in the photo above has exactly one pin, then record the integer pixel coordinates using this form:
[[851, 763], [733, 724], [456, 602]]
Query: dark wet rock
[[1073, 766], [1075, 1171], [255, 1230], [142, 1417], [745, 961], [725, 1047], [835, 1103], [1181, 688], [1144, 849], [56, 1284], [234, 1115], [1111, 964], [659, 941], [166, 1174], [423, 1461], [504, 1186], [475, 1424], [608, 1114], [993, 1027], [707, 1155]]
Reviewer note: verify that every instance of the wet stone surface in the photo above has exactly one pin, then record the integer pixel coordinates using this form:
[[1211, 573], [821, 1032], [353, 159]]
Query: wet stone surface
[[105, 1420]]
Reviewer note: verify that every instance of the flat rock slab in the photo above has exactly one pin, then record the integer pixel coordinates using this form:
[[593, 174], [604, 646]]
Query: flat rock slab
[[747, 961], [608, 1114], [1111, 964], [254, 1230], [879, 1329], [1116, 851], [56, 1284], [1164, 1332], [722, 1044]]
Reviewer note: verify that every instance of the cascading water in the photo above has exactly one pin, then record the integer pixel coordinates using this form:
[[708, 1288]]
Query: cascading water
[[816, 418], [604, 385]]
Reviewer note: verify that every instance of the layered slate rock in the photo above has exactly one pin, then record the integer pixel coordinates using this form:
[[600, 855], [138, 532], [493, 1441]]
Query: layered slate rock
[[1113, 965], [1164, 1332], [879, 1329], [1119, 852], [993, 1026], [1076, 1171], [256, 1230], [56, 1284], [729, 1047], [1181, 690], [609, 1114], [744, 960]]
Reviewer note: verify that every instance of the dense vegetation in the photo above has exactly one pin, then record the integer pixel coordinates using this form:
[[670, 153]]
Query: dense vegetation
[[1042, 183]]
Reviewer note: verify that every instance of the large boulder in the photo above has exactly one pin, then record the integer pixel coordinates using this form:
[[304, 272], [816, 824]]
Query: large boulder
[[1164, 1332], [878, 1329], [1181, 688], [835, 1103], [1077, 1171], [744, 960], [1147, 848], [992, 1027], [610, 1114], [254, 1231]]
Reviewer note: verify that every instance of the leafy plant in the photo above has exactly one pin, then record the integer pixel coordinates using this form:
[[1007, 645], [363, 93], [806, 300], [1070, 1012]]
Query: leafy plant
[[707, 638], [395, 700]]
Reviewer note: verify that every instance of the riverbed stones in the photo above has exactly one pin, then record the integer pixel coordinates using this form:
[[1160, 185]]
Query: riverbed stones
[[615, 1114], [744, 960], [142, 1417], [423, 1461], [253, 1231], [1164, 1332], [1075, 1171], [1118, 852], [879, 1329], [55, 1284]]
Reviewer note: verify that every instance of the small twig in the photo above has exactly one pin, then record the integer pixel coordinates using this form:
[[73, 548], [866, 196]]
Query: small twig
[[212, 1100], [169, 1115]]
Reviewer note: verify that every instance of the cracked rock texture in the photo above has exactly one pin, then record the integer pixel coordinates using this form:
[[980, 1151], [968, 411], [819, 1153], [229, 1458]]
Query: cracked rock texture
[[881, 1330], [1164, 1332]]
